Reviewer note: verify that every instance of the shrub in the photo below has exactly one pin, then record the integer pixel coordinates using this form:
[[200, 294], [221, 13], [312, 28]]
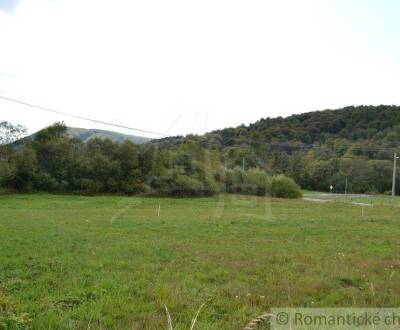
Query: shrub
[[252, 182], [132, 187], [257, 182], [210, 187], [26, 167], [45, 182], [184, 185], [285, 187], [5, 173], [90, 187], [234, 180], [174, 183]]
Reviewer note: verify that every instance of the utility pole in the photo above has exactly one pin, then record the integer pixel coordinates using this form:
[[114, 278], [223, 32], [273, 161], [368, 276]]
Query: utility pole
[[394, 174], [243, 164]]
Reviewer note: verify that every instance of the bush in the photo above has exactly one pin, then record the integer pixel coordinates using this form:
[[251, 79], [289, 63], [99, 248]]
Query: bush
[[184, 185], [210, 187], [285, 187], [45, 182], [234, 180], [257, 182], [90, 187], [5, 173], [26, 167], [252, 182], [174, 183]]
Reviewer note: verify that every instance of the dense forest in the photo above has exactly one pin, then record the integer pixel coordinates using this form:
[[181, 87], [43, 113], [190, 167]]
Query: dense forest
[[316, 149], [350, 148], [53, 161]]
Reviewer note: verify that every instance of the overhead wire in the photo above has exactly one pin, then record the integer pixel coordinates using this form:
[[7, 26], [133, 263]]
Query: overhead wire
[[233, 139], [79, 117]]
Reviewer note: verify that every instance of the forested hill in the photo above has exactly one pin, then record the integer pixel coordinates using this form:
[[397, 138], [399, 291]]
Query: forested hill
[[317, 149], [376, 124], [353, 123], [348, 148]]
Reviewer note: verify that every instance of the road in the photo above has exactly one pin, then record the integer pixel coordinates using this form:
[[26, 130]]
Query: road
[[333, 197]]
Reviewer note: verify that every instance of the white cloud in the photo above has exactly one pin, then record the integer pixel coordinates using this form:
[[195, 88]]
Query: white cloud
[[185, 66]]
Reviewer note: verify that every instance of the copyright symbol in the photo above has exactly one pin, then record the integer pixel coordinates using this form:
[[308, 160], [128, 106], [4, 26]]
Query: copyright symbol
[[282, 318]]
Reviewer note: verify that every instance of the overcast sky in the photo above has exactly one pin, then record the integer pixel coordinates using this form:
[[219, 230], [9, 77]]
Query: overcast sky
[[180, 67]]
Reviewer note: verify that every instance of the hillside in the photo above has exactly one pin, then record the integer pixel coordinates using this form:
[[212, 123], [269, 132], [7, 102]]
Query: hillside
[[87, 134], [350, 149], [377, 124], [317, 149]]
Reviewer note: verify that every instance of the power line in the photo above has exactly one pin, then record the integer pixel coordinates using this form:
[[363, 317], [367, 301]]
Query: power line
[[78, 117], [233, 139]]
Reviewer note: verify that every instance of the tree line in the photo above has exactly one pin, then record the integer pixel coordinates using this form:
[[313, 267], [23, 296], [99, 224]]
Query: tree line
[[52, 161], [350, 149]]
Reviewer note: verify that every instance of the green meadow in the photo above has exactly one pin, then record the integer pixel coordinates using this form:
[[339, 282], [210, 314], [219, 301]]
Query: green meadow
[[72, 262]]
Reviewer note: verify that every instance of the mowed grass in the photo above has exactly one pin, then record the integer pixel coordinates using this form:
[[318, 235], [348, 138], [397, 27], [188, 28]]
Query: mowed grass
[[111, 263]]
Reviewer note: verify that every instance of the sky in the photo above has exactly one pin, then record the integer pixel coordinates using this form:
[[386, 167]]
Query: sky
[[179, 67]]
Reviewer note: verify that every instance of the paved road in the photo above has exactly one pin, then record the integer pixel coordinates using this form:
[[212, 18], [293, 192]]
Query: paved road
[[329, 197]]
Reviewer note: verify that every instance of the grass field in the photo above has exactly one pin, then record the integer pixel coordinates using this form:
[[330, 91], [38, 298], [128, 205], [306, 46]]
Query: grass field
[[69, 262]]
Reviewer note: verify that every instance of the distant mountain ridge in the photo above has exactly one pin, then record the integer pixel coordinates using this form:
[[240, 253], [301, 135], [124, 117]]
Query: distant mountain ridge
[[85, 135]]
